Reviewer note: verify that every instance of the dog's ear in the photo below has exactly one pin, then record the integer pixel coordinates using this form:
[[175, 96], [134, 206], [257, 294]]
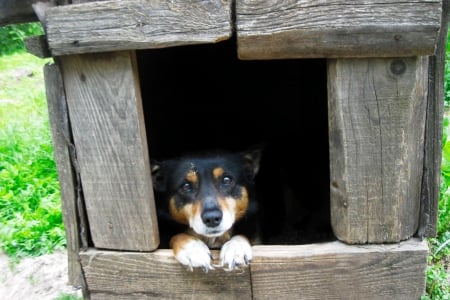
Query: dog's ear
[[252, 158], [158, 178]]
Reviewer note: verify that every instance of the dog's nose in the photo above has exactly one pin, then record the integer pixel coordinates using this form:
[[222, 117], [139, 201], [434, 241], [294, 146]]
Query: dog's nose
[[212, 217]]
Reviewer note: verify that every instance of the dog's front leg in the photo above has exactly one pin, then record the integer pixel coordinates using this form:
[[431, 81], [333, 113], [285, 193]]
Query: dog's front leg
[[191, 252], [236, 252]]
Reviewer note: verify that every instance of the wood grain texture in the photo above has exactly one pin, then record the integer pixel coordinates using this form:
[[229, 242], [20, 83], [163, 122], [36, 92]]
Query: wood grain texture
[[315, 271], [338, 271], [157, 275], [105, 108], [60, 129], [84, 1], [136, 24], [37, 45], [377, 110], [274, 29], [433, 134]]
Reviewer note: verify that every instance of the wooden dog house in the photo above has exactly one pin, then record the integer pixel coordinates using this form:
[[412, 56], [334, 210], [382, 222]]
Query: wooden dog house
[[384, 64]]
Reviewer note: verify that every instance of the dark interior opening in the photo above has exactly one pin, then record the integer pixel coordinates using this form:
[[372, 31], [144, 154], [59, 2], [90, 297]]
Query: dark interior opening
[[202, 97]]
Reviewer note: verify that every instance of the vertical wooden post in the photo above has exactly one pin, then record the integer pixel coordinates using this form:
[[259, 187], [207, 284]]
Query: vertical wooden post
[[103, 96], [66, 176], [433, 132], [377, 110]]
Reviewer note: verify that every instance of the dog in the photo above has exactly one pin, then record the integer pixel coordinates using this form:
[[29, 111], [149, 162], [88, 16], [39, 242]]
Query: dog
[[207, 201]]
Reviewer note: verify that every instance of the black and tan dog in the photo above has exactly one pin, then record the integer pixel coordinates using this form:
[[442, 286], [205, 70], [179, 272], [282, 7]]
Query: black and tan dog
[[211, 196]]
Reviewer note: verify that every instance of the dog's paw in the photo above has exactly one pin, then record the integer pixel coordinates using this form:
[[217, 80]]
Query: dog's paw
[[235, 253], [191, 252]]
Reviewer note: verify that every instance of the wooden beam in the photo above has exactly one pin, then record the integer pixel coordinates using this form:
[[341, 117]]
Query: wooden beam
[[315, 271], [433, 134], [136, 24], [377, 110], [61, 135], [37, 45], [125, 275], [338, 271], [105, 108], [278, 29]]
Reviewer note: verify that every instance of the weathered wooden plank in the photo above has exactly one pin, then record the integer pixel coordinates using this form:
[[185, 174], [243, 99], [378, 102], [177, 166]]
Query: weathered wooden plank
[[315, 271], [338, 271], [84, 1], [157, 275], [136, 24], [37, 45], [433, 134], [105, 108], [67, 178], [271, 29], [377, 111]]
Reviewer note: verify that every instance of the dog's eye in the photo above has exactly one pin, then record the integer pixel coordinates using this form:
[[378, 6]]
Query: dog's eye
[[187, 187], [226, 180]]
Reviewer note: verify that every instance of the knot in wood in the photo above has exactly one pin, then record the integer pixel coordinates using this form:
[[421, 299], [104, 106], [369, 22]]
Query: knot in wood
[[398, 67]]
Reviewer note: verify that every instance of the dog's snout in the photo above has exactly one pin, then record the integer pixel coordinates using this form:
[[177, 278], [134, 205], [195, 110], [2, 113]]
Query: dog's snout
[[212, 217]]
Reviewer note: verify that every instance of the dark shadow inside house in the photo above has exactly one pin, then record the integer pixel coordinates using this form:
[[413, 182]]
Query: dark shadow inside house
[[201, 97]]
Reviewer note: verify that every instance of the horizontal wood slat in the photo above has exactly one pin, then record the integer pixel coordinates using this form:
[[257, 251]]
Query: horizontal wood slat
[[136, 24], [157, 275], [339, 271], [271, 29], [317, 271]]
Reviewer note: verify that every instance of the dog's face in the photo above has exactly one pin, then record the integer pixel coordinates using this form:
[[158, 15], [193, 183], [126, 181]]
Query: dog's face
[[207, 192]]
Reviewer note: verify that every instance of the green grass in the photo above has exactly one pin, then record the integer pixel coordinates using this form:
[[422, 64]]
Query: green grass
[[30, 208], [68, 297], [11, 36]]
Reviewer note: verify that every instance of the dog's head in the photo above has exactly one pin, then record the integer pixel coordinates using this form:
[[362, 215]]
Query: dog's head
[[208, 192]]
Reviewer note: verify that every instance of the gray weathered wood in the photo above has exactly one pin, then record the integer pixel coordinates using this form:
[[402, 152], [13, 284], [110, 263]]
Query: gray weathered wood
[[136, 24], [271, 29], [66, 176], [338, 271], [377, 110], [157, 275], [105, 109], [315, 271], [84, 1], [37, 45], [433, 134]]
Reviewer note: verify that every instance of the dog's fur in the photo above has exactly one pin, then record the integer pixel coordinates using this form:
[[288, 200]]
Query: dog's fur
[[211, 196]]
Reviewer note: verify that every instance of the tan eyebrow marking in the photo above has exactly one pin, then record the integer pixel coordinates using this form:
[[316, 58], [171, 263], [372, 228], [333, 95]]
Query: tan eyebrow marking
[[192, 176], [218, 172]]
